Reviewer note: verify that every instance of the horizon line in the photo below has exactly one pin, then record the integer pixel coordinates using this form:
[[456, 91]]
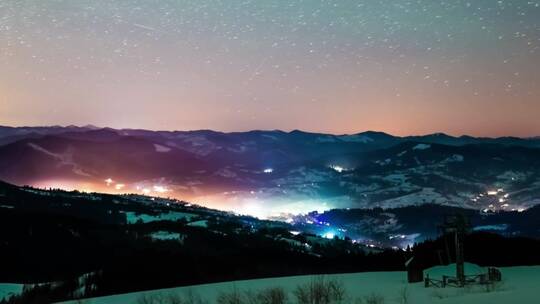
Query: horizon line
[[94, 127]]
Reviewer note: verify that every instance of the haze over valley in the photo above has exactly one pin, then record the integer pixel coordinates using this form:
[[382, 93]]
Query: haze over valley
[[276, 174]]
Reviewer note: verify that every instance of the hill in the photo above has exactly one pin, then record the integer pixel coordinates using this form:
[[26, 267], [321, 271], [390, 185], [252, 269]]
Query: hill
[[376, 287], [126, 243], [276, 173]]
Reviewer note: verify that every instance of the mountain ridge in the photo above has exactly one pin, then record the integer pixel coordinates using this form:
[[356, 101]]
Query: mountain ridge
[[275, 172], [364, 132]]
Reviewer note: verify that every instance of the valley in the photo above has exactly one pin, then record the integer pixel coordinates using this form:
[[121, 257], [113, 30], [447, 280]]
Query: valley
[[275, 174]]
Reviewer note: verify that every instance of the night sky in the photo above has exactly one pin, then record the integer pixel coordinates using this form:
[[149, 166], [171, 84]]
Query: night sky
[[404, 67]]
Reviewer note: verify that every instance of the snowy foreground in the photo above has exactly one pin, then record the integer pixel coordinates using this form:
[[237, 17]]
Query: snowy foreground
[[520, 284], [7, 290]]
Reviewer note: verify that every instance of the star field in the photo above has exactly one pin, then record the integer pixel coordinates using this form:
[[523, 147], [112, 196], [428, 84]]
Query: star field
[[404, 67]]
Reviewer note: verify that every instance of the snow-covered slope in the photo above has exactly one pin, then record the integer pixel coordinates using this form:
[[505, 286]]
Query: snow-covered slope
[[7, 290], [518, 283], [237, 171]]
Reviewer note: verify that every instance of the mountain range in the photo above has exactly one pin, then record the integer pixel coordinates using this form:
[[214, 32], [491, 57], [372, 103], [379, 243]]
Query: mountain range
[[276, 173]]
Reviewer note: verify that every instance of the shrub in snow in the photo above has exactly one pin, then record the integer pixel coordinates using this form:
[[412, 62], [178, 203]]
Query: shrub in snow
[[233, 297], [320, 291], [151, 299], [191, 297], [173, 298], [276, 295], [374, 299]]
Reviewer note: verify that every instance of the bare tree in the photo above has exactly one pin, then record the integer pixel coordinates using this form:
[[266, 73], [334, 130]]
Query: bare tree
[[275, 295], [174, 298], [320, 291], [233, 297]]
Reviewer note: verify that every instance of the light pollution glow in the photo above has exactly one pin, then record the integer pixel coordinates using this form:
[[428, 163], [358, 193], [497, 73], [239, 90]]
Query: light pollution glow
[[252, 203], [404, 67]]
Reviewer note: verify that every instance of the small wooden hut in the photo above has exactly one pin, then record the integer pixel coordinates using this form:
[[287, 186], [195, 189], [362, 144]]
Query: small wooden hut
[[415, 272]]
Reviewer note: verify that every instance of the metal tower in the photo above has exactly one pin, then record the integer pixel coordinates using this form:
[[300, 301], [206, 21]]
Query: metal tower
[[458, 225]]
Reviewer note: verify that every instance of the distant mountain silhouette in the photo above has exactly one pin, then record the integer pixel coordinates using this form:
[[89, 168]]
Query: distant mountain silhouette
[[371, 168]]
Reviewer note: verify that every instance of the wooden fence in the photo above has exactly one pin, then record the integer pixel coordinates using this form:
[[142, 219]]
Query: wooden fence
[[493, 275]]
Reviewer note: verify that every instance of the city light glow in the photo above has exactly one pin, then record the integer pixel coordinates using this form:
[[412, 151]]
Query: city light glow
[[160, 189], [337, 168], [329, 235]]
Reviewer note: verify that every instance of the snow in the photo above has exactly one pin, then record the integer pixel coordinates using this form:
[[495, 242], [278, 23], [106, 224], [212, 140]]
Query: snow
[[425, 195], [272, 137], [500, 227], [133, 218], [512, 176], [303, 175], [7, 290], [384, 162], [518, 283], [398, 178], [65, 159], [198, 144], [161, 149], [201, 223], [166, 236], [456, 158], [240, 148], [421, 147], [356, 138], [43, 150], [326, 139]]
